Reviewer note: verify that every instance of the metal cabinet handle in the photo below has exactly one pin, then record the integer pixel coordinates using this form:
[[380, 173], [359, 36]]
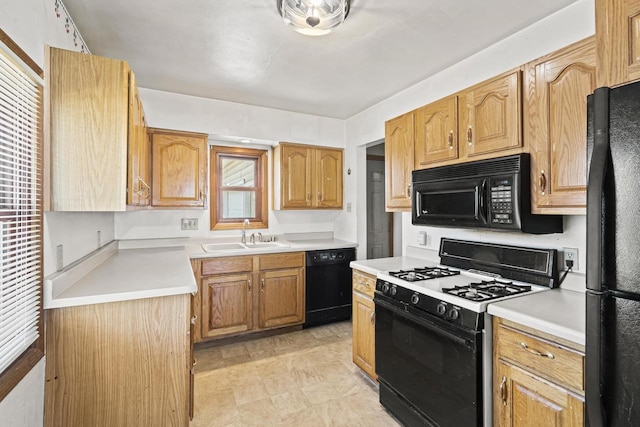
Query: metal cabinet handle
[[309, 196], [543, 182], [319, 196], [372, 318], [195, 361], [262, 286], [535, 352], [503, 390], [450, 140], [249, 285], [193, 319], [469, 136], [201, 195], [409, 190]]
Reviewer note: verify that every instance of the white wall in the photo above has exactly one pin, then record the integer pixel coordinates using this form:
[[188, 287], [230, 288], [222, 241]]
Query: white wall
[[221, 118], [31, 24], [564, 27]]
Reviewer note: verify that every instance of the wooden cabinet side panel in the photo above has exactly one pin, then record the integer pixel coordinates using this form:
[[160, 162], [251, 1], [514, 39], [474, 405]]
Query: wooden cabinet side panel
[[328, 167], [399, 162], [633, 19], [89, 102], [122, 363], [364, 334], [281, 297]]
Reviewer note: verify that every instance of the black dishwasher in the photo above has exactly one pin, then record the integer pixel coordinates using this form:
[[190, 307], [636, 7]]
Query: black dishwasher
[[328, 286]]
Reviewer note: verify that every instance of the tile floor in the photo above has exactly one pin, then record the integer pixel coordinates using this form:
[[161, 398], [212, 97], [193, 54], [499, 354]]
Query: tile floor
[[304, 378]]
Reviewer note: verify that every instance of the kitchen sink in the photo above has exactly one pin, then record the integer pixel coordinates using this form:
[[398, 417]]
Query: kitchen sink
[[241, 247], [259, 245], [213, 247]]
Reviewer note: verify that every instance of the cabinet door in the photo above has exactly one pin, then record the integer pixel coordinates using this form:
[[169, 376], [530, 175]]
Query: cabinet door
[[364, 334], [556, 122], [491, 116], [398, 162], [328, 171], [226, 304], [179, 169], [281, 297], [436, 137], [139, 151], [522, 399], [297, 177], [618, 41]]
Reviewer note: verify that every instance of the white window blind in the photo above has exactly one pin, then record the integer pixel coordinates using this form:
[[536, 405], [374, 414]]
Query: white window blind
[[20, 208]]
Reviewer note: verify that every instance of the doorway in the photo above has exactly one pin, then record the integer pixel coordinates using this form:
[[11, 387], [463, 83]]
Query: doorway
[[380, 236]]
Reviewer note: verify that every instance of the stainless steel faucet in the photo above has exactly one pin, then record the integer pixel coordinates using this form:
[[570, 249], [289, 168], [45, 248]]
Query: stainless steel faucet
[[245, 224], [259, 237]]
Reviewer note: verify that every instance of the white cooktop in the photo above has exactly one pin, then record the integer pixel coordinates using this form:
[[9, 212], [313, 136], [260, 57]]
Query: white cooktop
[[433, 287]]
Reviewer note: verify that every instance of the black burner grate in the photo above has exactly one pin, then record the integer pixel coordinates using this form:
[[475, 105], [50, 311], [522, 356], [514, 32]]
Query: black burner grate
[[425, 273], [487, 290]]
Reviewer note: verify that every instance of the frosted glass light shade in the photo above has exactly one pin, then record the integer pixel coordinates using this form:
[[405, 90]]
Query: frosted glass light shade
[[313, 17]]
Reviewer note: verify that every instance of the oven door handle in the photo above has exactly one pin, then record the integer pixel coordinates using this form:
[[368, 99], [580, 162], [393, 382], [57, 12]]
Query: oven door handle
[[425, 323]]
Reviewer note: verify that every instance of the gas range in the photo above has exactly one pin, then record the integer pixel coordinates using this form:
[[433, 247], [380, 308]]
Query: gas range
[[473, 274]]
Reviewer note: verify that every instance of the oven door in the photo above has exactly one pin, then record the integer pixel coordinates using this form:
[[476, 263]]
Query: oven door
[[461, 202], [434, 366]]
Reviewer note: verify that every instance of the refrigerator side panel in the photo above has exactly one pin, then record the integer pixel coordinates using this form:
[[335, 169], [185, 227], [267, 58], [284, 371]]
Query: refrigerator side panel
[[621, 269]]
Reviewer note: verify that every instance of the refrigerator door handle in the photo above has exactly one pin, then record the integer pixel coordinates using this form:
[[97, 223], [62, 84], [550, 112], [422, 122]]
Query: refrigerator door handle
[[595, 415], [595, 186]]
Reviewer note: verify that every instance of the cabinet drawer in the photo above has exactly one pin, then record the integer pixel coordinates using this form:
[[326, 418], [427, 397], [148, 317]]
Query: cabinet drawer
[[227, 265], [283, 260], [363, 282], [547, 359]]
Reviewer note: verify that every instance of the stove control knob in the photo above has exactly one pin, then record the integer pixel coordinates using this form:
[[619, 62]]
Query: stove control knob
[[454, 314], [441, 308], [415, 299], [394, 290], [385, 287]]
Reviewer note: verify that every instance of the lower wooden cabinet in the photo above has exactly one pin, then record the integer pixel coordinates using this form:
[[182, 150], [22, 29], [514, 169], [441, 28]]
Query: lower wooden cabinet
[[121, 363], [538, 379], [248, 293], [364, 329]]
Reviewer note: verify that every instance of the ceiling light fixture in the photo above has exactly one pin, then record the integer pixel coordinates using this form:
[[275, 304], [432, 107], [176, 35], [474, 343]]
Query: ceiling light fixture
[[313, 17]]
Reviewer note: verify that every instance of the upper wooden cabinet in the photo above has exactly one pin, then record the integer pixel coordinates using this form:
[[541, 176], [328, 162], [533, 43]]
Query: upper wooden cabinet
[[179, 168], [557, 86], [436, 132], [399, 162], [482, 121], [307, 177], [88, 136], [618, 41], [490, 116]]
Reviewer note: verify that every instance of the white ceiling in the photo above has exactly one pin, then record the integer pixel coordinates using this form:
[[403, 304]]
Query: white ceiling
[[240, 50]]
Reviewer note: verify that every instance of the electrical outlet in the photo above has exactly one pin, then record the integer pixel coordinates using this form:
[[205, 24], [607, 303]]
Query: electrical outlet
[[348, 207], [189, 224], [59, 258], [570, 254], [422, 238]]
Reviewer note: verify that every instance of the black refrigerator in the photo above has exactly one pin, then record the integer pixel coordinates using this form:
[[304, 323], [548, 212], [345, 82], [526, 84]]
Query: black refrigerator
[[612, 367]]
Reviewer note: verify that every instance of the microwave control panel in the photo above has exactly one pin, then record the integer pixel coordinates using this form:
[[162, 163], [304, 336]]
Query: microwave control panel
[[502, 201]]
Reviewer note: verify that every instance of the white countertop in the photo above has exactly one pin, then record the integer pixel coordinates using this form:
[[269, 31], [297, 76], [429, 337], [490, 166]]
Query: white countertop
[[111, 274], [197, 251], [375, 266], [558, 312]]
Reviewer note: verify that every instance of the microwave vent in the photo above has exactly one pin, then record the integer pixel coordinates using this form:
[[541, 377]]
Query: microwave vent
[[489, 167]]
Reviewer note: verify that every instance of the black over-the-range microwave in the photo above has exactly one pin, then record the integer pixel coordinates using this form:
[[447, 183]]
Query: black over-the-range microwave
[[492, 193]]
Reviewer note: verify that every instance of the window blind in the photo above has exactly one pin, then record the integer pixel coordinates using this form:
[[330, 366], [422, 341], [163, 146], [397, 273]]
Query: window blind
[[20, 208]]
